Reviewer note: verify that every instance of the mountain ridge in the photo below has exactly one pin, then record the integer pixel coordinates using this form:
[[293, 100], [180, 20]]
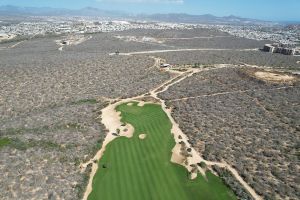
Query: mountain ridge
[[9, 10]]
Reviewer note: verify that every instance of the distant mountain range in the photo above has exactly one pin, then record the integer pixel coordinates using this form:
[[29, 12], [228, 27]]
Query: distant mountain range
[[89, 11], [47, 11], [207, 18]]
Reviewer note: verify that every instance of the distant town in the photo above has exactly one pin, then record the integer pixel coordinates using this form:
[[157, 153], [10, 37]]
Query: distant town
[[287, 36]]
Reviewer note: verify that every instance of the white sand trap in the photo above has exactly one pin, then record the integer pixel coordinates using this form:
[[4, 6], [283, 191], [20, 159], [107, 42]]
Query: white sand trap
[[269, 76], [142, 136], [176, 155], [127, 131], [130, 104]]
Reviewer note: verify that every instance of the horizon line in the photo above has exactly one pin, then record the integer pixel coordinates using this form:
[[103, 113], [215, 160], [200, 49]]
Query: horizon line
[[150, 13]]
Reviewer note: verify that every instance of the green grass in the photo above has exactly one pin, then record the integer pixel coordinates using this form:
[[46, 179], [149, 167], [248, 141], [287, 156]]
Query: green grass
[[141, 169], [4, 142]]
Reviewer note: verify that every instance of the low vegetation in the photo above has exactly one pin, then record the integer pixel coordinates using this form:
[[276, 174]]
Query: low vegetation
[[4, 142], [250, 123], [50, 105]]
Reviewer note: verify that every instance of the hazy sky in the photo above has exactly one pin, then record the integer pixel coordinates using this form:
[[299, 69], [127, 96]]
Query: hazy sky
[[280, 10]]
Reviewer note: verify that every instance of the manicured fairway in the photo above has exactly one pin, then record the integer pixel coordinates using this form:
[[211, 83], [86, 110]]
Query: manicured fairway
[[135, 169]]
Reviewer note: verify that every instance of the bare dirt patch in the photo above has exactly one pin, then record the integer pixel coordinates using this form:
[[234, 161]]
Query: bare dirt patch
[[71, 40], [274, 77], [6, 37], [142, 39]]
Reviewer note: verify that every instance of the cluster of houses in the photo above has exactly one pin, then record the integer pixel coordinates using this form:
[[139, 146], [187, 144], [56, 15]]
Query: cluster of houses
[[281, 48]]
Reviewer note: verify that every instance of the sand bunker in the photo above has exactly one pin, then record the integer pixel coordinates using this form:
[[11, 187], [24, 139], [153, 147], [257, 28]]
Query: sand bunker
[[130, 104], [142, 136], [177, 157], [274, 77], [141, 103], [126, 131]]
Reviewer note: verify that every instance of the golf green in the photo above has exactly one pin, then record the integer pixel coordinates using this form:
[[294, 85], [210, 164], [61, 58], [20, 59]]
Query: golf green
[[136, 169]]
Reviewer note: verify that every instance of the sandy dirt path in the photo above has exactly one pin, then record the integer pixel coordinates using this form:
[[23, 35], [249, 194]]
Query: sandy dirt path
[[18, 43], [231, 92], [268, 68], [12, 46]]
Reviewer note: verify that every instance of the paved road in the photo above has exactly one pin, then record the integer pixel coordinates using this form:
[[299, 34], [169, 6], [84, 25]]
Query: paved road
[[179, 50]]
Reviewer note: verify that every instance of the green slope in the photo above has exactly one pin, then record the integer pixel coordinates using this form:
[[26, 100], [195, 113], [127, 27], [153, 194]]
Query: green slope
[[141, 169]]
